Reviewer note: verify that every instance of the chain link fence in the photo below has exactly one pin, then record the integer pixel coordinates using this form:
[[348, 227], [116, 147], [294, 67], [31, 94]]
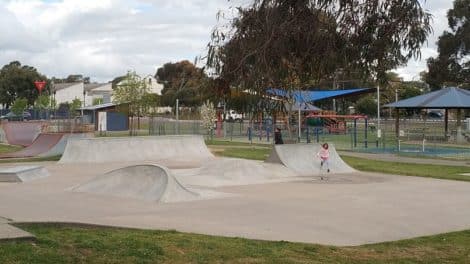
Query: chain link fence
[[417, 137]]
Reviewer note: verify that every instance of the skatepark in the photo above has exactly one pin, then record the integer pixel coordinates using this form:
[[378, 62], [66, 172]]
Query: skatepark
[[175, 182]]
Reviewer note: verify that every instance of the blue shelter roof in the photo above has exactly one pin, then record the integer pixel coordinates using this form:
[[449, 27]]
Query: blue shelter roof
[[312, 96], [451, 97], [304, 107]]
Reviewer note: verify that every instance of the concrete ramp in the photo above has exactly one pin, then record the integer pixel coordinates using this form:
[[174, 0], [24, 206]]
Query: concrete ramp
[[2, 136], [22, 173], [129, 149], [232, 172], [144, 182], [22, 133], [303, 159], [43, 143], [59, 148]]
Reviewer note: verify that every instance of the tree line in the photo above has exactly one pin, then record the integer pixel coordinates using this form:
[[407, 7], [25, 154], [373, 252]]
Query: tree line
[[298, 44]]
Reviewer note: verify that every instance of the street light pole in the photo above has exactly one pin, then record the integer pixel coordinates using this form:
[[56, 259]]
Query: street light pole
[[84, 93], [379, 132], [177, 117]]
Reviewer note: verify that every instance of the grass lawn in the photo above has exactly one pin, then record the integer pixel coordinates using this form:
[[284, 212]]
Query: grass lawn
[[73, 244], [409, 169], [8, 148], [216, 142], [241, 150], [37, 159], [245, 153]]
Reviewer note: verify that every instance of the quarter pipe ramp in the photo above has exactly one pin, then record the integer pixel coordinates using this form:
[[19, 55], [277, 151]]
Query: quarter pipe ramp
[[129, 149], [303, 159], [22, 133], [43, 143]]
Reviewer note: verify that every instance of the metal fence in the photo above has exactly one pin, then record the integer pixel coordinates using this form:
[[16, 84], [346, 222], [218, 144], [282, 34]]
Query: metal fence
[[416, 137]]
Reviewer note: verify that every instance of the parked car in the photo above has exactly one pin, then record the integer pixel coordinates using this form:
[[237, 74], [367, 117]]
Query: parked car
[[232, 115], [12, 116], [435, 115]]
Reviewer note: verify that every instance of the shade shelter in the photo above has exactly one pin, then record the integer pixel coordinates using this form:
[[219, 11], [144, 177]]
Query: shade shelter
[[317, 95], [446, 98], [309, 97], [304, 107]]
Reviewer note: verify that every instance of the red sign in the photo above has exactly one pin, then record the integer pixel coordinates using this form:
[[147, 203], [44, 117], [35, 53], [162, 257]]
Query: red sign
[[40, 85]]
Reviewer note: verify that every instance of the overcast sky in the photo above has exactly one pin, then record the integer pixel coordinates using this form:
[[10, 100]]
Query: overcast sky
[[103, 39]]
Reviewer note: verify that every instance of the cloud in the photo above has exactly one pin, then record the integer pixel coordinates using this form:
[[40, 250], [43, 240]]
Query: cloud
[[438, 9], [103, 39]]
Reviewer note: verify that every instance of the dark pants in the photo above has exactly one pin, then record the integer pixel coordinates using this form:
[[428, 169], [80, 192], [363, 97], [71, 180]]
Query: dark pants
[[278, 138]]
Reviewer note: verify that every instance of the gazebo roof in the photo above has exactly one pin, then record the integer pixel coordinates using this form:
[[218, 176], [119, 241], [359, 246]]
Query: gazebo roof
[[451, 97]]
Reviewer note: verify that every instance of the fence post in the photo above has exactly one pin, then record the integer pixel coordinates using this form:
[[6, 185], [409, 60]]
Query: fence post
[[365, 135], [308, 136], [231, 131], [260, 130], [355, 133]]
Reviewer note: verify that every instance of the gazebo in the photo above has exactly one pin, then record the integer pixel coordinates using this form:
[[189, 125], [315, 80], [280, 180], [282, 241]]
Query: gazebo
[[446, 98]]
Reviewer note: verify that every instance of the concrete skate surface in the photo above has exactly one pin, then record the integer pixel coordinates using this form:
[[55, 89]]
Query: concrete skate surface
[[200, 193], [347, 209]]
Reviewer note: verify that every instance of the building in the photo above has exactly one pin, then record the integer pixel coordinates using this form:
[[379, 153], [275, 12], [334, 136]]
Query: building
[[95, 93], [153, 85], [67, 92], [88, 93], [101, 91]]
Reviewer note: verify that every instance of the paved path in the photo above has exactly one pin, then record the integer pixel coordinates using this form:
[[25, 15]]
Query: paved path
[[395, 158], [8, 232]]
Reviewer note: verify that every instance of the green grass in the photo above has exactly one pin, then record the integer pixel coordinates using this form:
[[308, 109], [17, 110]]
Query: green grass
[[74, 244], [8, 148], [217, 142], [38, 159], [409, 169], [245, 153]]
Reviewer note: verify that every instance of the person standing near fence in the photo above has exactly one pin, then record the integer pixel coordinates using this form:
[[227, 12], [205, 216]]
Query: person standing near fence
[[278, 136]]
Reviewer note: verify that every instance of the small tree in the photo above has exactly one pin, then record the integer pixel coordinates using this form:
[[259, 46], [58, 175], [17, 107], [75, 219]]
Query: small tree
[[74, 106], [53, 103], [208, 115], [131, 91], [42, 102], [18, 106], [367, 105], [149, 104], [97, 101]]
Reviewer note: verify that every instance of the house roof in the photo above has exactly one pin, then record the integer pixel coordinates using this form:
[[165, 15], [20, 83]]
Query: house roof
[[98, 107], [311, 96], [60, 86], [92, 86], [451, 97]]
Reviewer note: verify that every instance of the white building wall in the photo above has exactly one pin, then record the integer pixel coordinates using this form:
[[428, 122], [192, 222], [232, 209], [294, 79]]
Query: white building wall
[[69, 94], [104, 91], [153, 85]]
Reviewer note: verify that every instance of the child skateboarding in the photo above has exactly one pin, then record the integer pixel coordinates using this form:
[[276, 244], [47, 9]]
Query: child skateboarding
[[324, 155]]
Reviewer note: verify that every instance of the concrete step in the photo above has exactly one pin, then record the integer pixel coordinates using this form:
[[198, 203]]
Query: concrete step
[[9, 232]]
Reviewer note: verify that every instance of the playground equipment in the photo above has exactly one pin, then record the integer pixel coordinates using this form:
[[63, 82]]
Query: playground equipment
[[335, 124]]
